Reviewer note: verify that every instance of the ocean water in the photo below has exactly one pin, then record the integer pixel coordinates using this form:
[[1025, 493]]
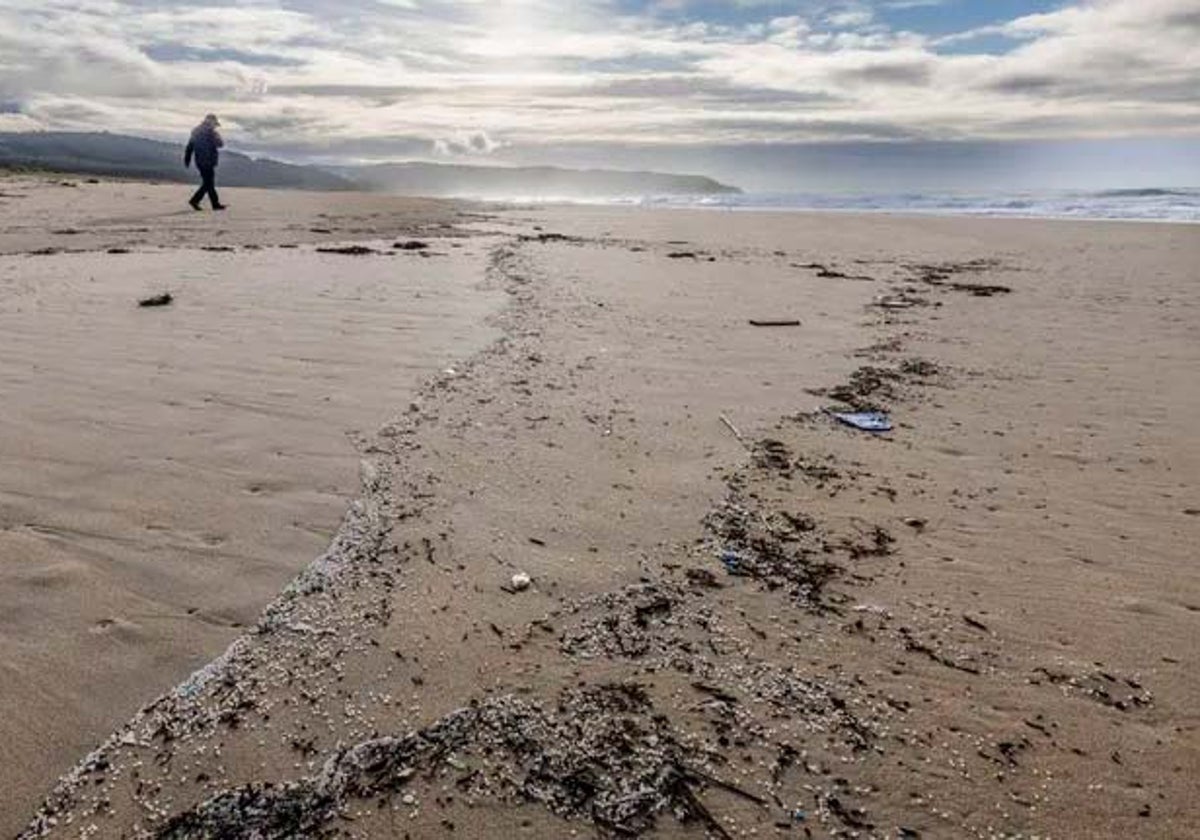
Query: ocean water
[[1160, 205]]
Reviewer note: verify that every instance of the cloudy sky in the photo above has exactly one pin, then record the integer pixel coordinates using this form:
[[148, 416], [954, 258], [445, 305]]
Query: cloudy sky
[[744, 89]]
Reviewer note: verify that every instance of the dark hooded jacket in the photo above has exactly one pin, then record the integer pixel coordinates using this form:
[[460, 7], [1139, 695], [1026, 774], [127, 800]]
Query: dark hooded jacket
[[204, 146]]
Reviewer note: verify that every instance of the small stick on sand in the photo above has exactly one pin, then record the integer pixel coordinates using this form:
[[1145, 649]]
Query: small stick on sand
[[766, 524], [729, 786], [164, 299], [729, 425]]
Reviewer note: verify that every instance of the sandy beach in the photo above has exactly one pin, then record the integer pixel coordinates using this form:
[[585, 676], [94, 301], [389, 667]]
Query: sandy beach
[[538, 536]]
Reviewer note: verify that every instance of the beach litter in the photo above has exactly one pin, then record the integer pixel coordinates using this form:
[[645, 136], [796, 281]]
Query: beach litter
[[732, 561], [865, 421], [165, 299], [785, 322], [734, 429], [411, 245], [520, 582], [885, 302]]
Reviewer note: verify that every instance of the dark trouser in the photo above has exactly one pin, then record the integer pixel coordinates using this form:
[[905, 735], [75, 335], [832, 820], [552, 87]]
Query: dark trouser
[[208, 174]]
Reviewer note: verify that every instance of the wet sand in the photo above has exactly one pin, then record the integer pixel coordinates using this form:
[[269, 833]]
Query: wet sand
[[744, 617], [166, 471], [69, 213]]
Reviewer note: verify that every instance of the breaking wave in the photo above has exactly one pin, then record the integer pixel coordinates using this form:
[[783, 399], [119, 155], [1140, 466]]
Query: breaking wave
[[1158, 204]]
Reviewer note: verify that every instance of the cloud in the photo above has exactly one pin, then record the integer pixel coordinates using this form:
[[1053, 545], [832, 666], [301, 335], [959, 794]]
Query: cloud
[[890, 72], [379, 75], [171, 52], [850, 18]]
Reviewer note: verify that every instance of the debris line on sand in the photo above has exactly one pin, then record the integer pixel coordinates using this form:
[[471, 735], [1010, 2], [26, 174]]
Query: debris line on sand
[[348, 250], [601, 754]]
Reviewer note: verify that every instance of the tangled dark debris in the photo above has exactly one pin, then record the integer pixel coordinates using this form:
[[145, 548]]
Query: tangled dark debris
[[785, 548], [867, 388], [551, 237], [669, 628], [1120, 693], [919, 368], [827, 273], [770, 454], [602, 754], [347, 250], [915, 645], [779, 556], [628, 622], [873, 388], [941, 275]]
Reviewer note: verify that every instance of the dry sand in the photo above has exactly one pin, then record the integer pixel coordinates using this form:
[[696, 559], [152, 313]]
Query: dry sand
[[744, 619]]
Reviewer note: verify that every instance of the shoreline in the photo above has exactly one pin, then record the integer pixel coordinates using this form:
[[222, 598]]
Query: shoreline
[[817, 211], [569, 385]]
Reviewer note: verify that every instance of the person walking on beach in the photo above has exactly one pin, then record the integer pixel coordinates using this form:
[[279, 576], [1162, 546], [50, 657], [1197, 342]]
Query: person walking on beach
[[205, 145]]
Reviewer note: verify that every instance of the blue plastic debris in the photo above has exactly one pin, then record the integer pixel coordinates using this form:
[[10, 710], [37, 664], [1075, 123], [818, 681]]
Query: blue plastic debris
[[732, 561], [867, 421]]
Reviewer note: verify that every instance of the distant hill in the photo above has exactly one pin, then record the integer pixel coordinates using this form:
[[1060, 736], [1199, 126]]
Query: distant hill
[[134, 157], [434, 179], [117, 155]]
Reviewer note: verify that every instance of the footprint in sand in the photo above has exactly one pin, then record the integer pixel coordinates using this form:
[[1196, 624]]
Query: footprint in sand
[[190, 538], [259, 488], [110, 626]]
